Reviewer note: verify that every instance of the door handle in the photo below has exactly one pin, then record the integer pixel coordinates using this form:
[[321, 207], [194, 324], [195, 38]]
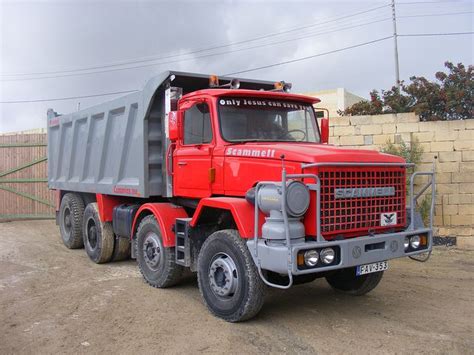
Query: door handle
[[182, 163]]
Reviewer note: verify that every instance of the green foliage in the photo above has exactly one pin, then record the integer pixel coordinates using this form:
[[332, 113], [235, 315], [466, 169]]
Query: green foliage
[[458, 91], [450, 98], [396, 102], [372, 107], [424, 208], [412, 154]]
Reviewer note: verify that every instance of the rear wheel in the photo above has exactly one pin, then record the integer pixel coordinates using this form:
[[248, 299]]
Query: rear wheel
[[228, 279], [98, 235], [156, 263], [347, 281], [70, 220]]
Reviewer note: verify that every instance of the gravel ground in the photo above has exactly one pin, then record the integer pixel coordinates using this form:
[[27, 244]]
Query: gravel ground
[[54, 300]]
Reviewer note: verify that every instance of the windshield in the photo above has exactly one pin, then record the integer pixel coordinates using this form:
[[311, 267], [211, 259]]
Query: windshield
[[255, 119]]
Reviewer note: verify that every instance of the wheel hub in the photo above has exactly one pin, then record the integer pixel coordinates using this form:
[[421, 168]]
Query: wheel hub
[[92, 236], [152, 250], [223, 277], [67, 220]]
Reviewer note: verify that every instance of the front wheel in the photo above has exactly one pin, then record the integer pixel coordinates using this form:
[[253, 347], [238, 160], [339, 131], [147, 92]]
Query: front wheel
[[346, 281], [156, 263], [228, 279]]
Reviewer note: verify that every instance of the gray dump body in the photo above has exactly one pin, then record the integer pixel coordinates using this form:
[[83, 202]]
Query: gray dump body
[[119, 147]]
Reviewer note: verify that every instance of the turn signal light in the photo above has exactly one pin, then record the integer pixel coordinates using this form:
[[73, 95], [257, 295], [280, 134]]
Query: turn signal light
[[423, 239], [300, 260], [213, 81], [212, 175], [282, 86], [278, 85]]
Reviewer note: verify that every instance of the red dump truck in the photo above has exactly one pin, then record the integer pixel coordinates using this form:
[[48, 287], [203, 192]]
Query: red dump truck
[[233, 179]]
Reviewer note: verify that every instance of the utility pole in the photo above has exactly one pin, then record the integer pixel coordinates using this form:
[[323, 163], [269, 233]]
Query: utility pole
[[395, 42]]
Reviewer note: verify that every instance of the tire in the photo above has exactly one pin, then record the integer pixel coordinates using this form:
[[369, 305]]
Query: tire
[[98, 236], [236, 299], [156, 263], [71, 212], [121, 249], [347, 281]]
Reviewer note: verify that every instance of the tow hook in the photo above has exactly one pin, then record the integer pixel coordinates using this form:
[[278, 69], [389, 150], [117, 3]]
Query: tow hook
[[421, 257]]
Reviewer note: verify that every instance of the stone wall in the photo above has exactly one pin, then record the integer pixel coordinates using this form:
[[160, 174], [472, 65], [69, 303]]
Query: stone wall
[[449, 144], [335, 99]]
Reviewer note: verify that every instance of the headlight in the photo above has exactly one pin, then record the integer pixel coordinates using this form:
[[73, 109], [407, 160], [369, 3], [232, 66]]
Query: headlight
[[269, 198], [406, 243], [297, 198], [415, 241], [327, 255], [311, 258]]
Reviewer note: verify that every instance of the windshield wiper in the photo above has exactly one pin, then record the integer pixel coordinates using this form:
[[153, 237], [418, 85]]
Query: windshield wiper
[[243, 141]]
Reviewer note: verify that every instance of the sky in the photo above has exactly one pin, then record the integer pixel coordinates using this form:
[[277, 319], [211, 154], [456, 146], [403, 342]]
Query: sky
[[61, 38]]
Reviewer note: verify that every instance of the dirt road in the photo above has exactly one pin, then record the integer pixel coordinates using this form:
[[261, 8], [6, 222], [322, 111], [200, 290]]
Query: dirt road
[[54, 300]]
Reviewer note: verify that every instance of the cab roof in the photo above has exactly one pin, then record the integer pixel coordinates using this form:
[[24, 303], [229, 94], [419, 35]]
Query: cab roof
[[276, 95]]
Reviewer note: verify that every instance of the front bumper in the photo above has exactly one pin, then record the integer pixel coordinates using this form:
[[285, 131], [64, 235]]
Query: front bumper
[[353, 252], [282, 257]]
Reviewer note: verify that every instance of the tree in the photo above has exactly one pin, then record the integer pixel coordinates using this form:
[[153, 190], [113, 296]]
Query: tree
[[451, 98], [372, 107], [428, 100], [396, 102], [458, 90]]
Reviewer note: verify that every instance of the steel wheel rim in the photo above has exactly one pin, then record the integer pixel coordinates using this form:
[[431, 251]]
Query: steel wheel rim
[[67, 221], [223, 276], [91, 233], [152, 249]]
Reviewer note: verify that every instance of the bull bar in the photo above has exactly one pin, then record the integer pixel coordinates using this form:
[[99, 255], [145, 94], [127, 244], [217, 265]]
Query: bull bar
[[354, 251]]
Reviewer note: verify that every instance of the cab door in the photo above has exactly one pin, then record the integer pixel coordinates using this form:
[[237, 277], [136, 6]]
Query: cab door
[[193, 157]]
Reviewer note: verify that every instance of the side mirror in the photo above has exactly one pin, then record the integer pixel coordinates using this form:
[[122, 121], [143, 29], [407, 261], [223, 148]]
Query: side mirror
[[174, 124], [324, 130]]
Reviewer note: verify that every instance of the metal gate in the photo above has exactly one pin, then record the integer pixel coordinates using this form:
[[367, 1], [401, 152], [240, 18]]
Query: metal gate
[[24, 193]]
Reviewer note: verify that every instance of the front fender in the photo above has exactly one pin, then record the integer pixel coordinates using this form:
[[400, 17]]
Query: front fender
[[165, 214], [242, 211]]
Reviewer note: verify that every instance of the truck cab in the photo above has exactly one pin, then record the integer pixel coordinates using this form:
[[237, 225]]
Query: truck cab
[[228, 140]]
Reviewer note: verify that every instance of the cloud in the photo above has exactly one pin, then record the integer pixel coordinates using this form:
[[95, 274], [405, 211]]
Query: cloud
[[52, 36]]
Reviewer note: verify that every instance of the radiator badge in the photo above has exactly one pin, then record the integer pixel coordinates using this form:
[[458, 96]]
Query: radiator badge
[[388, 219], [364, 192]]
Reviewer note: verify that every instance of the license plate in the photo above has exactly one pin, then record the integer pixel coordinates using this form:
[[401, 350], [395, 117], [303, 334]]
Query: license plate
[[370, 268]]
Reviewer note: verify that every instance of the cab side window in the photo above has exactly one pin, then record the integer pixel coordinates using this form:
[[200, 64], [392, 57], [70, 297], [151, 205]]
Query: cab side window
[[197, 125], [296, 123]]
